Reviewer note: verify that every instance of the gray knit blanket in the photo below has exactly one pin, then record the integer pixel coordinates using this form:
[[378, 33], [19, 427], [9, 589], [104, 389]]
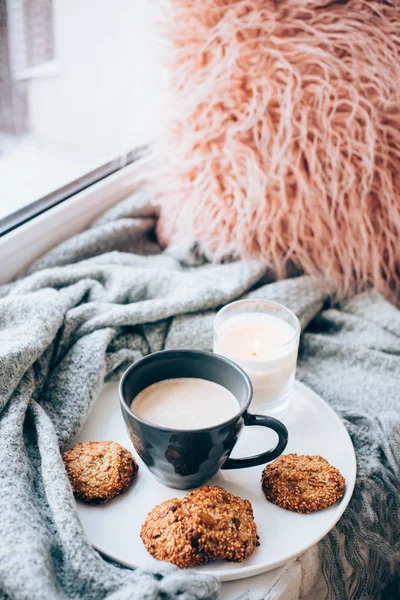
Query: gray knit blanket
[[108, 296]]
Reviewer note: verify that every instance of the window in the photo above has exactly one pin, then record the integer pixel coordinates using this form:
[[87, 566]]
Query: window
[[79, 95]]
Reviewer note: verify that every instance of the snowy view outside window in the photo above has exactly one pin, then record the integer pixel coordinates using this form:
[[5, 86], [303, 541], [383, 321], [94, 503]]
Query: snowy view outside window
[[79, 87]]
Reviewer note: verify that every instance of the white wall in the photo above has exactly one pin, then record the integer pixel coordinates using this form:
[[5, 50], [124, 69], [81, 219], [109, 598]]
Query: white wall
[[106, 96]]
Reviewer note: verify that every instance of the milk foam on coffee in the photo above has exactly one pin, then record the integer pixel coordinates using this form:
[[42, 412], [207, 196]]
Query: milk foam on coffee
[[185, 403]]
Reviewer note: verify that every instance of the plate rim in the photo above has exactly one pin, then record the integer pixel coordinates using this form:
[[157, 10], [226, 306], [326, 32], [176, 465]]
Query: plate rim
[[253, 570]]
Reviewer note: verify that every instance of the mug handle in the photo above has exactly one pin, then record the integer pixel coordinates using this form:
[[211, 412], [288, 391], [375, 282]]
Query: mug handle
[[264, 457]]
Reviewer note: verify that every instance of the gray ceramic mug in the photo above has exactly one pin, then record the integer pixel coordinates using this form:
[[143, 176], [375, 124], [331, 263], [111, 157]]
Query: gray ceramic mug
[[182, 458]]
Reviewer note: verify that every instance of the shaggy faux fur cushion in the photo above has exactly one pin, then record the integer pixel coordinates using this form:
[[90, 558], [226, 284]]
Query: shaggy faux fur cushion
[[283, 139]]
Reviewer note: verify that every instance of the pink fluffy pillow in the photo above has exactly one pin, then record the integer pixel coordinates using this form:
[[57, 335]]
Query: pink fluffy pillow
[[283, 139]]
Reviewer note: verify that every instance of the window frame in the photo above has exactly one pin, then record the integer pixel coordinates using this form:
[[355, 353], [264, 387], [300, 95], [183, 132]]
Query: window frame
[[33, 209], [26, 242]]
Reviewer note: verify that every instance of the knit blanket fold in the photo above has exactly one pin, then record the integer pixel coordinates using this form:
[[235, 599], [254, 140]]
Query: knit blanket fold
[[82, 313]]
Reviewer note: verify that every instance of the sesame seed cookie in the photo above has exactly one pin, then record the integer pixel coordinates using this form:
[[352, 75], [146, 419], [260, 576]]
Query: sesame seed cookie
[[164, 536], [302, 483], [98, 471], [207, 524]]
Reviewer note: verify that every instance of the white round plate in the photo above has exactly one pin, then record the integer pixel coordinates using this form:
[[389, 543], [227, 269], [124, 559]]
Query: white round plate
[[314, 428]]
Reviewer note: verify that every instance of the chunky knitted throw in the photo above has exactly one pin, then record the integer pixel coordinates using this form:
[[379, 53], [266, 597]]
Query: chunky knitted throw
[[103, 299]]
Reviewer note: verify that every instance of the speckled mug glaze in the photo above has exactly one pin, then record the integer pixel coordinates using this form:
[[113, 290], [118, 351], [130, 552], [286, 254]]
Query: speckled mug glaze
[[188, 458]]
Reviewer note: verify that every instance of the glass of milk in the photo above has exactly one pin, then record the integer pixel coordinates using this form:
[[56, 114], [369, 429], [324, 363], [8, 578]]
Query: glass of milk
[[263, 338]]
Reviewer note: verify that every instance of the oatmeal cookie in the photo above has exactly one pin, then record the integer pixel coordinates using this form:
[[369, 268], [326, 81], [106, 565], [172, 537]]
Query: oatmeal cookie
[[98, 471], [302, 483], [207, 524], [163, 534]]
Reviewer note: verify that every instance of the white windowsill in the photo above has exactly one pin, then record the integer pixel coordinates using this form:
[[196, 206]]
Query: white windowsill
[[31, 168], [23, 245]]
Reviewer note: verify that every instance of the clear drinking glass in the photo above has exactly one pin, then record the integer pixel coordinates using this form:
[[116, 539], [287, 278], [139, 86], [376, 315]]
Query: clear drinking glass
[[263, 338]]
